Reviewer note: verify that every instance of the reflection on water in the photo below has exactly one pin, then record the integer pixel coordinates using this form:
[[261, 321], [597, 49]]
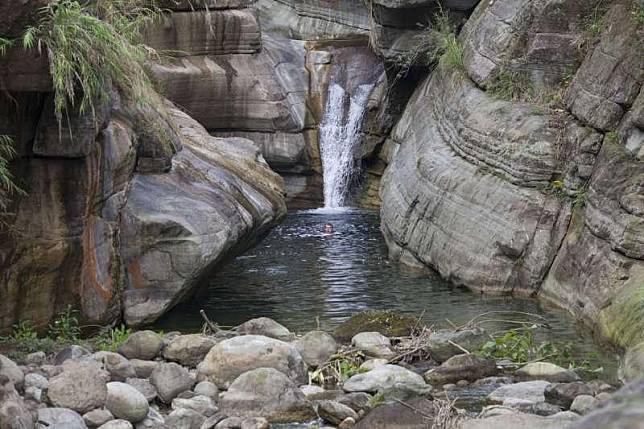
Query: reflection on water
[[298, 274]]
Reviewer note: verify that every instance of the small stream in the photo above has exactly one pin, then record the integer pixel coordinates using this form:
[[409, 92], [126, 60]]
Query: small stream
[[301, 277]]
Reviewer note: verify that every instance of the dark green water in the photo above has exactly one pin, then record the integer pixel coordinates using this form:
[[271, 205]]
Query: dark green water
[[297, 276]]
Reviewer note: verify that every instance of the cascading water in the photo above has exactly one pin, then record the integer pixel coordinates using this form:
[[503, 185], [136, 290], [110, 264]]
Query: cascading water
[[339, 138]]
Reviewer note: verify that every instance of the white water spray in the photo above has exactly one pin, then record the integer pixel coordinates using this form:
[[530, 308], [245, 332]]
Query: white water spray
[[339, 138]]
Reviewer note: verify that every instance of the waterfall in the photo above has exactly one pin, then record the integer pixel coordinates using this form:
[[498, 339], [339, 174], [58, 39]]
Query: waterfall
[[339, 138]]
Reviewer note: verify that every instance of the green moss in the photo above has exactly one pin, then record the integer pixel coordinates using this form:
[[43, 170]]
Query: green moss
[[623, 320], [387, 323]]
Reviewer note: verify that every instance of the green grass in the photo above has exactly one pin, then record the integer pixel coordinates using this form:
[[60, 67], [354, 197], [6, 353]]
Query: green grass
[[111, 340], [92, 47], [65, 327]]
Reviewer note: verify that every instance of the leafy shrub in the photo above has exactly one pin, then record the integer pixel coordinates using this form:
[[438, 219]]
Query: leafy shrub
[[112, 339], [65, 327]]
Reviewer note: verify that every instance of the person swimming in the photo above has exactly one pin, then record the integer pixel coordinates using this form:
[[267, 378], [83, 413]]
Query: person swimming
[[328, 228]]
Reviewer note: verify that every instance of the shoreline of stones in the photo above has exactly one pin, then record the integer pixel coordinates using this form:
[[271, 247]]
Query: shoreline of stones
[[260, 375]]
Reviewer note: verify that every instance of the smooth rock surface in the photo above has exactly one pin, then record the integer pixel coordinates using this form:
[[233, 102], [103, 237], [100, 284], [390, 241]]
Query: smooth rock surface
[[143, 345], [125, 402], [170, 379], [316, 347], [384, 377], [188, 350], [546, 371]]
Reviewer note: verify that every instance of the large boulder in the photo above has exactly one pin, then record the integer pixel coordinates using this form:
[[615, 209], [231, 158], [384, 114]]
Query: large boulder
[[82, 387], [231, 358], [265, 326], [125, 402], [386, 377], [373, 344], [9, 369], [563, 394], [417, 414], [188, 350], [625, 410], [268, 393], [316, 347], [442, 344]]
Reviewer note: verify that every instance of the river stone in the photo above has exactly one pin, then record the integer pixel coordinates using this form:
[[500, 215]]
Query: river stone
[[184, 418], [624, 411], [116, 365], [12, 371], [170, 379], [386, 377], [267, 327], [268, 393], [36, 358], [373, 344], [126, 402], [399, 416], [144, 345], [144, 386], [516, 420], [231, 358], [153, 420], [310, 390], [188, 350], [143, 368], [440, 347], [36, 380], [80, 387], [334, 412], [528, 391], [117, 424], [71, 352], [563, 394], [370, 364], [546, 371], [98, 417], [204, 405], [461, 367], [63, 416], [582, 404], [207, 388], [387, 323], [14, 413], [316, 347]]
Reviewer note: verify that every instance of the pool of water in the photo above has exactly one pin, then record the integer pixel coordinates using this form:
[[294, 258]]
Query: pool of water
[[304, 279]]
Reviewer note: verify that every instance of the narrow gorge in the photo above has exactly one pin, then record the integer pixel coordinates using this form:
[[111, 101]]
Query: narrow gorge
[[308, 160]]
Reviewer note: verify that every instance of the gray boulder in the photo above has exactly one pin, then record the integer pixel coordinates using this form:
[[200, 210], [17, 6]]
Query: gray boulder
[[583, 404], [144, 387], [231, 358], [207, 388], [80, 387], [563, 394], [334, 412], [98, 417], [126, 402], [143, 368], [268, 393], [624, 411], [461, 367], [36, 380], [440, 344], [527, 392], [184, 418], [60, 416], [267, 327], [188, 350], [170, 379], [12, 371], [373, 344], [153, 420], [116, 365], [144, 345], [71, 352], [14, 413], [416, 414], [386, 377], [204, 405], [546, 371], [316, 347], [117, 424]]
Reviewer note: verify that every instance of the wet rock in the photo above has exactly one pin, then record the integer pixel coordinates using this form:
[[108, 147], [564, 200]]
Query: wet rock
[[268, 393], [13, 411], [116, 365], [399, 416], [357, 401], [546, 371], [143, 345], [204, 405], [624, 411], [440, 344], [71, 352], [527, 391], [60, 416], [117, 424], [384, 377], [530, 407], [12, 371], [231, 358], [373, 344], [188, 350], [335, 412], [316, 347], [143, 368], [80, 387], [208, 389], [563, 394], [98, 417], [266, 327], [125, 402], [170, 379], [184, 418], [387, 323], [461, 367], [583, 404], [144, 387]]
